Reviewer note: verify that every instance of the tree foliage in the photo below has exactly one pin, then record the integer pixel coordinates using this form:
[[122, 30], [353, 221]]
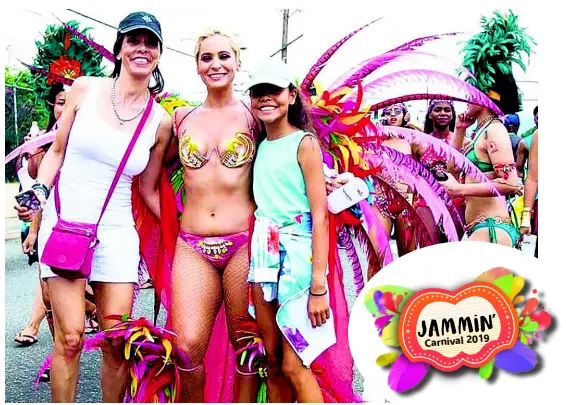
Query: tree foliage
[[30, 107]]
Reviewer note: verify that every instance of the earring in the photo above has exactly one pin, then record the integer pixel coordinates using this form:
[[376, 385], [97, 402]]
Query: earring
[[118, 57]]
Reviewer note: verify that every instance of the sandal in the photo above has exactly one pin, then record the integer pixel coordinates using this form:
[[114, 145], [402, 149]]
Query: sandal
[[25, 340], [91, 324]]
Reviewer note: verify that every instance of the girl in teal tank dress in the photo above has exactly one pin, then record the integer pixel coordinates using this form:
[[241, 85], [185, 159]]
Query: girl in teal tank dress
[[290, 241]]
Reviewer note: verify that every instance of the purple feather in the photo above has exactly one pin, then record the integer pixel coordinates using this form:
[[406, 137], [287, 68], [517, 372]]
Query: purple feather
[[415, 43], [424, 236], [519, 359], [432, 191], [98, 48], [361, 71], [345, 239], [418, 177], [315, 70], [373, 225], [405, 375], [434, 82], [30, 145], [441, 148], [46, 364]]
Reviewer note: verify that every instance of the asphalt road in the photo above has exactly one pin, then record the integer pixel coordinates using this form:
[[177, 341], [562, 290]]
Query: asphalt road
[[22, 363]]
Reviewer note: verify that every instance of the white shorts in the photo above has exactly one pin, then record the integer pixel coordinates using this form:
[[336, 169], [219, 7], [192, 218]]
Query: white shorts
[[116, 258]]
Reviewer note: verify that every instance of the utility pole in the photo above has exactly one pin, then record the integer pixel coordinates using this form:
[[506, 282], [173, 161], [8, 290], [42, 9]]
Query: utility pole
[[285, 36]]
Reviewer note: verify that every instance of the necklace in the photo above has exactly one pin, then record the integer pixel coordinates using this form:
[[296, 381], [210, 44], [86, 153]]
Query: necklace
[[483, 124], [113, 98]]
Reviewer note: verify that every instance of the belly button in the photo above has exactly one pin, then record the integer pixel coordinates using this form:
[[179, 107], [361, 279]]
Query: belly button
[[212, 214]]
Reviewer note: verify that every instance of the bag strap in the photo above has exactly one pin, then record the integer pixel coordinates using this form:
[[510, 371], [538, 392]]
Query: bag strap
[[121, 166]]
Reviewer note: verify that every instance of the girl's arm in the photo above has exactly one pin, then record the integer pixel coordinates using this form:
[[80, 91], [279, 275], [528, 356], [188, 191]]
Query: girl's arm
[[54, 157], [149, 179], [531, 185], [310, 160]]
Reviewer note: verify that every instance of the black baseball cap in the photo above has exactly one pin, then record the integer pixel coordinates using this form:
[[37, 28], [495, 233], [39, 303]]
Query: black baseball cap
[[141, 20]]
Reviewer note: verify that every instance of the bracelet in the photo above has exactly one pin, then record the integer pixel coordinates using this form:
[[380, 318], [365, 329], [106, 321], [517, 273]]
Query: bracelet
[[526, 210], [42, 188], [318, 295]]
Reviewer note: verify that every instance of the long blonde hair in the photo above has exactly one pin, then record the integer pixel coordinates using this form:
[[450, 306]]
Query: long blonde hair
[[210, 32]]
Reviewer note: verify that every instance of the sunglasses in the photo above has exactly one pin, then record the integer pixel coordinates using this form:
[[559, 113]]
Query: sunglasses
[[392, 111]]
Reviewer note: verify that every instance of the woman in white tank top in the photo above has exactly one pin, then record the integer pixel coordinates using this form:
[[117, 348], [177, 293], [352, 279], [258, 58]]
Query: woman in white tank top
[[95, 129]]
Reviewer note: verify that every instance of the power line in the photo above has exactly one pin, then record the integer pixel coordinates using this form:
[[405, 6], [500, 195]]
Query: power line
[[289, 43], [111, 26]]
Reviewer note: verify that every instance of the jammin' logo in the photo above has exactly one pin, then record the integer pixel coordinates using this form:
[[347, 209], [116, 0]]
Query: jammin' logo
[[485, 325], [449, 330]]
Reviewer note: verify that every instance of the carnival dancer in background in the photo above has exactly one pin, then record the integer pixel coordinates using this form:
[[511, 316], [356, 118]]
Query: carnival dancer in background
[[390, 208], [487, 217], [440, 122]]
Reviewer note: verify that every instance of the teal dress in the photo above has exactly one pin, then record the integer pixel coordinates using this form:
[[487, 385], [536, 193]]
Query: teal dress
[[281, 245]]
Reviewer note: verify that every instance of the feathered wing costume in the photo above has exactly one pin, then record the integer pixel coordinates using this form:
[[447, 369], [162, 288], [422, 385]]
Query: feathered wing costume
[[352, 142]]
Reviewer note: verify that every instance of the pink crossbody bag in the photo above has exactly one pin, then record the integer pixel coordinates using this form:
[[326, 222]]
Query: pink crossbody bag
[[70, 248]]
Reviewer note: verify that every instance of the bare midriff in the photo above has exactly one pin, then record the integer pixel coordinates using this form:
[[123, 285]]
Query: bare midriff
[[485, 206]]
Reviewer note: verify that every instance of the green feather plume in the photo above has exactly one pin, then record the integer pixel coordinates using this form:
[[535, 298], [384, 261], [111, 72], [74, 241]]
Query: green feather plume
[[496, 49]]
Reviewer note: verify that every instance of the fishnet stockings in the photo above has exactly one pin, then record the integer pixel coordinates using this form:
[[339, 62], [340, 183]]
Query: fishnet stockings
[[236, 293], [195, 300]]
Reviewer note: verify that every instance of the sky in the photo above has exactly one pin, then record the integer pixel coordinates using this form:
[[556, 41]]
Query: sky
[[261, 34]]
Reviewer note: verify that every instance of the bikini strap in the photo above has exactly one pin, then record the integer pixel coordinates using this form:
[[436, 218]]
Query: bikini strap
[[255, 126], [176, 125]]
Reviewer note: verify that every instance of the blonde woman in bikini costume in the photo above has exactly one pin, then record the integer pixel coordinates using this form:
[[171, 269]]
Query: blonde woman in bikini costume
[[216, 146]]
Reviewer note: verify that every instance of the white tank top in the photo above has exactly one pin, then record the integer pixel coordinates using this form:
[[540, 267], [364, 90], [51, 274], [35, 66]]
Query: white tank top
[[94, 151]]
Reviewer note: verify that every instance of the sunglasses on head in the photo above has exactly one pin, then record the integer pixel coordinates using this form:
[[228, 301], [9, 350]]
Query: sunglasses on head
[[392, 111]]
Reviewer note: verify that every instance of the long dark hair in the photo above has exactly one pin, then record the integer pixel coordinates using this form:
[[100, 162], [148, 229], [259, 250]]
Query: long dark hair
[[157, 76], [298, 116], [51, 98], [429, 125], [510, 97]]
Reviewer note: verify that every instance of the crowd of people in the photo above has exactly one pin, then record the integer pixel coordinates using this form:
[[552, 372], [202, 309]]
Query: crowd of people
[[225, 206]]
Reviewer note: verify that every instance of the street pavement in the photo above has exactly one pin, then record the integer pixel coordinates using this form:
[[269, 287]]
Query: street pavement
[[22, 363]]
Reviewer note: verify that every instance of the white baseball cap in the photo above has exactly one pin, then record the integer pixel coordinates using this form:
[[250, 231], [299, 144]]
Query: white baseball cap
[[274, 71]]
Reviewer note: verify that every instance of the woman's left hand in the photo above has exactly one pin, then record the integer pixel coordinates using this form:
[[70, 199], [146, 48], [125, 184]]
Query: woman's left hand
[[319, 310], [338, 181]]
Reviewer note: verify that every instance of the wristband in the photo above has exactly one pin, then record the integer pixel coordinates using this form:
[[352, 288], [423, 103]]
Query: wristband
[[526, 220], [318, 295], [41, 188]]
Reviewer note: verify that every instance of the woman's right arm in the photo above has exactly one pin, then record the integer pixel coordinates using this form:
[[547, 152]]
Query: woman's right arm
[[463, 122], [53, 159]]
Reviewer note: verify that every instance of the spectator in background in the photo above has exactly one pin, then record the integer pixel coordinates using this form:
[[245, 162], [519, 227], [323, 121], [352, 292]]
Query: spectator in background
[[512, 123]]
